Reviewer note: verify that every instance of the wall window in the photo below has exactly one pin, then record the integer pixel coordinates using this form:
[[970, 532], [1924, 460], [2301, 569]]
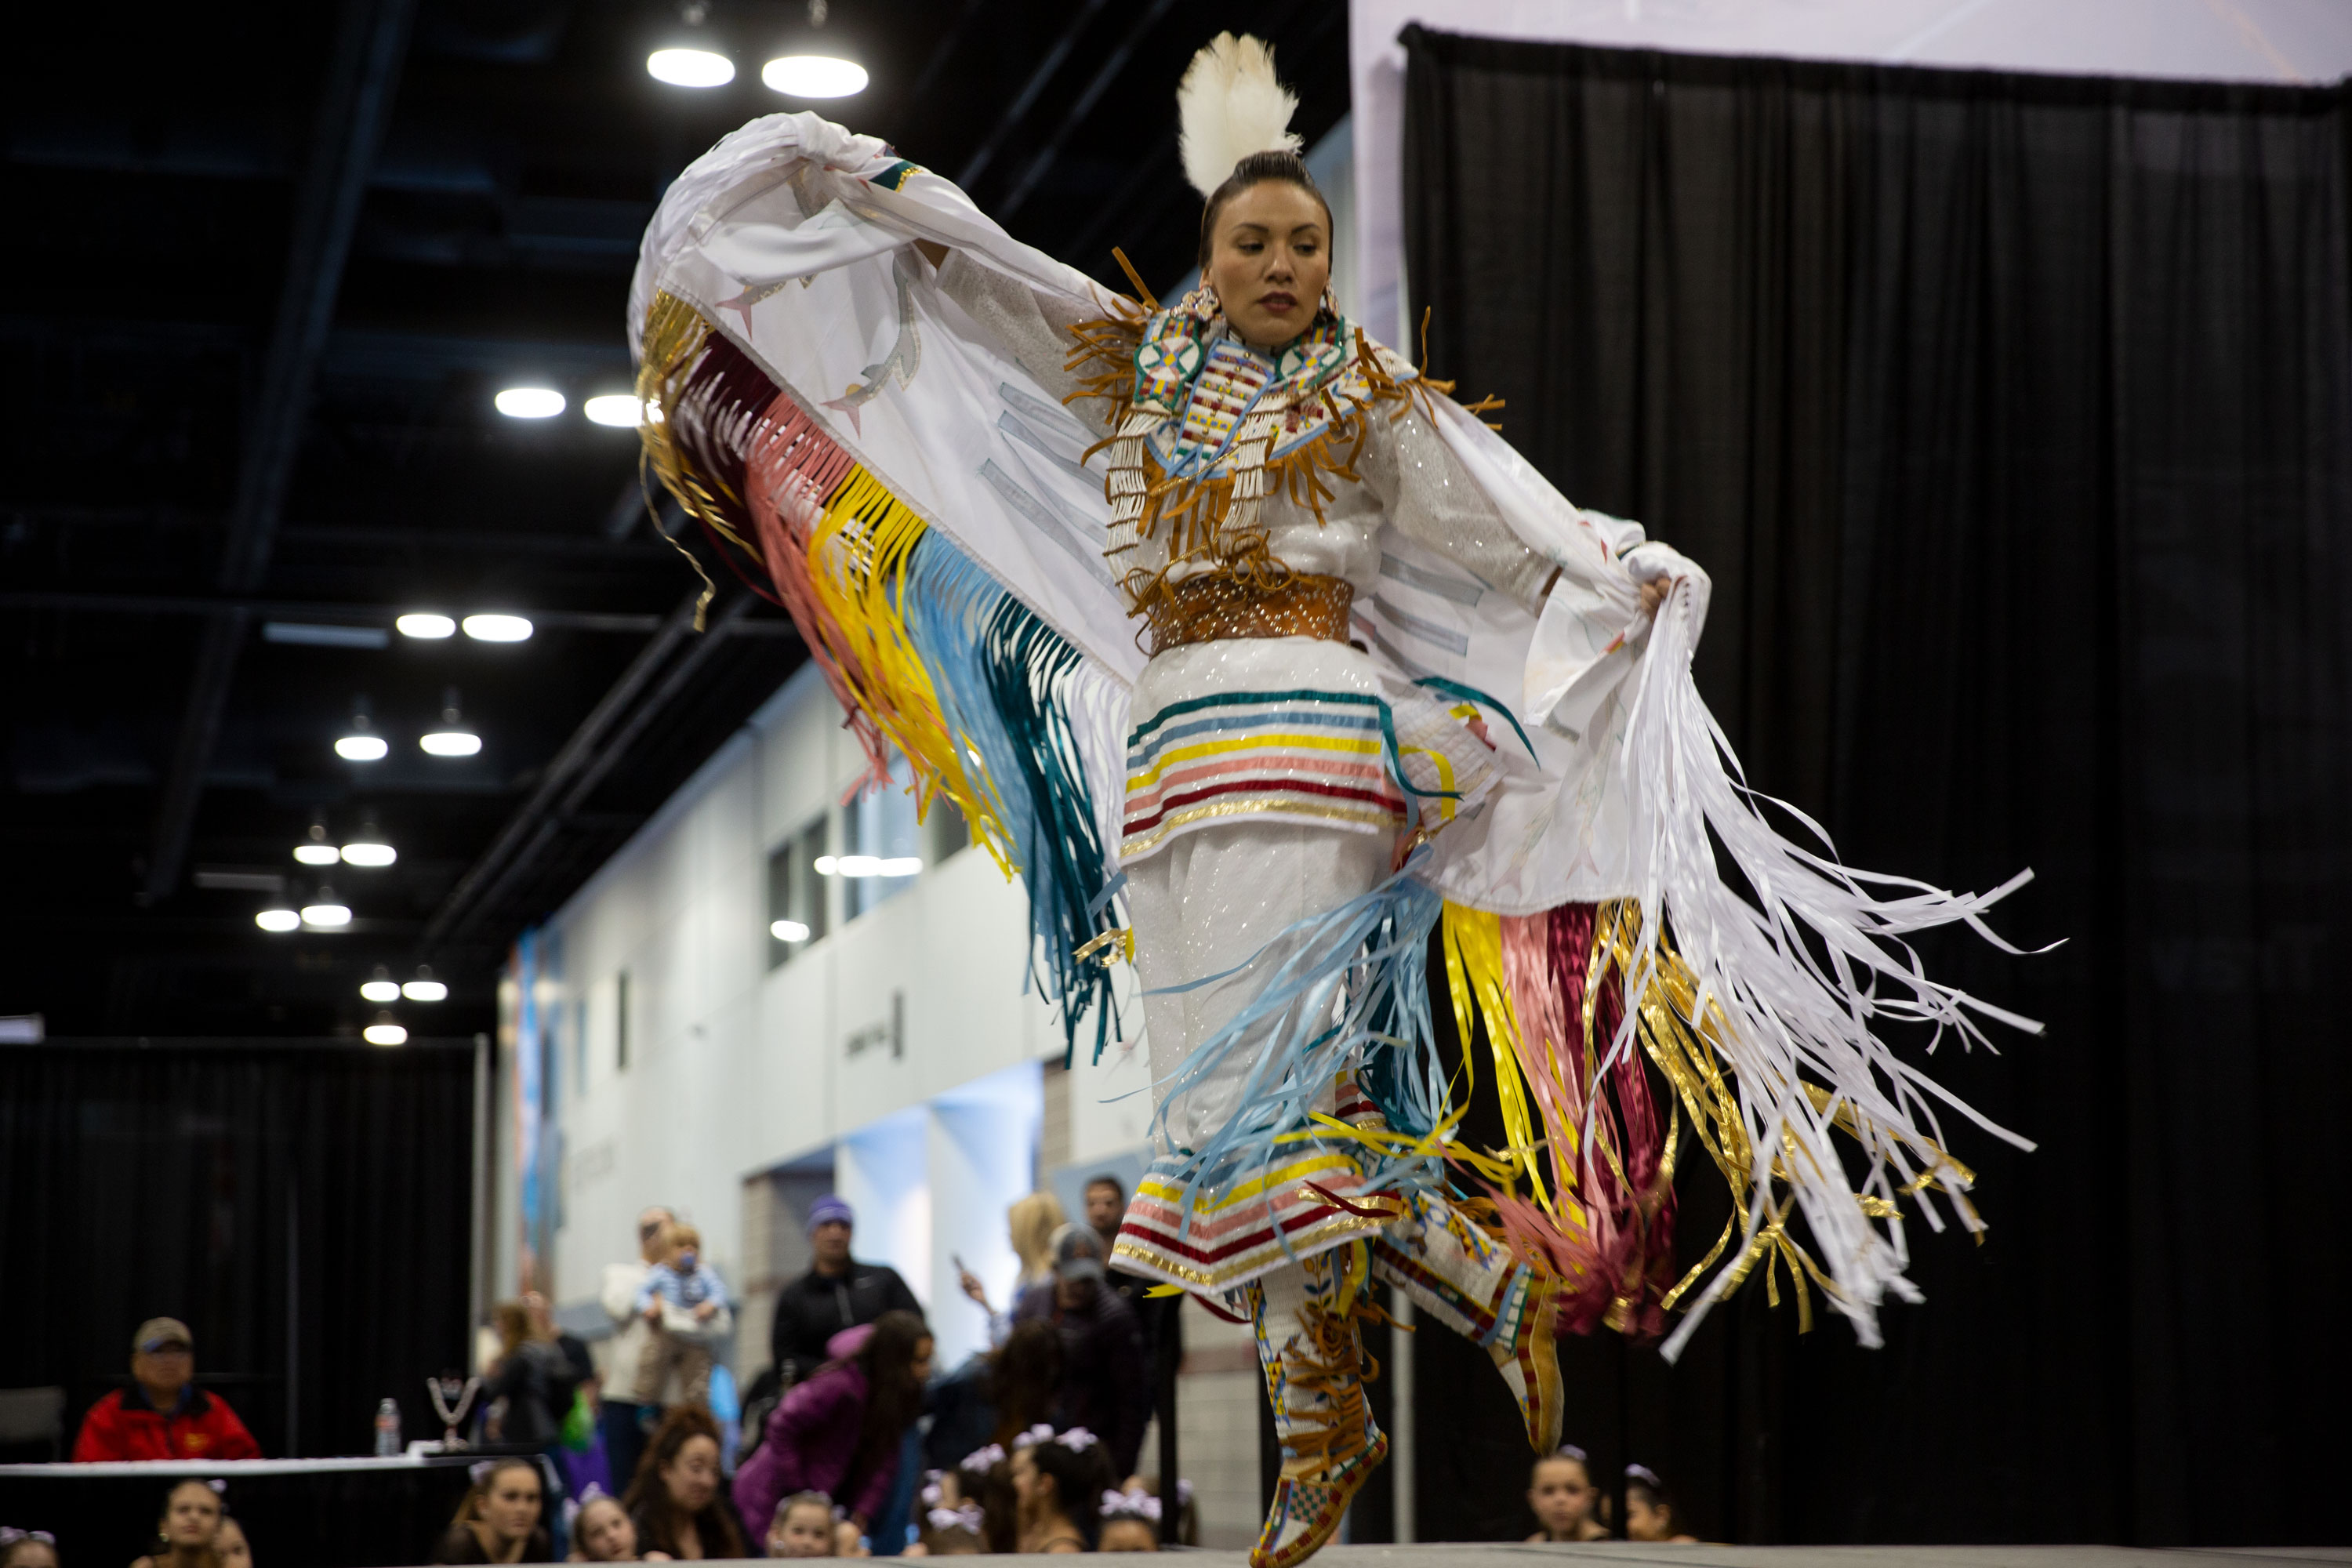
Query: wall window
[[796, 902], [881, 827], [944, 831]]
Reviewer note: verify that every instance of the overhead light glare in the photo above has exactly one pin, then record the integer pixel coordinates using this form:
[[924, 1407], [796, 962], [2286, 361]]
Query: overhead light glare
[[316, 854], [498, 629], [368, 853], [423, 623], [859, 866], [529, 403], [424, 991], [385, 1032], [893, 866], [277, 920], [362, 748], [451, 742], [619, 409], [827, 864], [380, 990], [689, 67], [814, 76], [326, 915], [788, 931]]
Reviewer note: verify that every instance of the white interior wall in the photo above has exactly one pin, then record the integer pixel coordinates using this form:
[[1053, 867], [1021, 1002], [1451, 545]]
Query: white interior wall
[[2287, 41]]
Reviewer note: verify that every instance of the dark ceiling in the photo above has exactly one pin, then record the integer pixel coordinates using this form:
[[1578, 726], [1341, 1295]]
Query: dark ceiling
[[271, 272]]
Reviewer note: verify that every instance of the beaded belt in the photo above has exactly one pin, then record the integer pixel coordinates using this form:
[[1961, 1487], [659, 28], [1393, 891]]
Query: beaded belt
[[1210, 608]]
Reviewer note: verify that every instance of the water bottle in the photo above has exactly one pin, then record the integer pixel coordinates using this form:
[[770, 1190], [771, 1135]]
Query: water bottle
[[387, 1430]]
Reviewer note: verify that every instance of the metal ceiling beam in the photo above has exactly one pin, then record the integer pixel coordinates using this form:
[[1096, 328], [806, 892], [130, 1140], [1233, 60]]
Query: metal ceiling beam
[[1113, 64], [371, 42]]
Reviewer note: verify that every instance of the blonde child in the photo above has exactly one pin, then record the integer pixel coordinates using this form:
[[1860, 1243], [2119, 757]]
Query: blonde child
[[803, 1527], [681, 1293]]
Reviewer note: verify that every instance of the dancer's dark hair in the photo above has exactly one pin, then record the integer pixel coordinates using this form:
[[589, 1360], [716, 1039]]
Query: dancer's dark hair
[[1256, 169]]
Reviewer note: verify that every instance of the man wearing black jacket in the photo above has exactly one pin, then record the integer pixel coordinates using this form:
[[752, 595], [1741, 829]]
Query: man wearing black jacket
[[837, 1293]]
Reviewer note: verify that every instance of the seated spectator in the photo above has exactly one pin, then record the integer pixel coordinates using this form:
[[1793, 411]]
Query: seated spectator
[[1131, 1522], [1561, 1495], [1057, 1480], [1033, 1220], [1106, 1384], [230, 1545], [676, 1501], [498, 1519], [681, 1297], [985, 1478], [602, 1531], [803, 1527], [839, 1431], [1650, 1507], [951, 1526], [162, 1415], [837, 1293], [996, 1396], [26, 1548], [184, 1535]]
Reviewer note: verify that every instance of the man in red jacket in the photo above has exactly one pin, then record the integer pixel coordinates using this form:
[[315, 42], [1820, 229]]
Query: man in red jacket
[[162, 1415]]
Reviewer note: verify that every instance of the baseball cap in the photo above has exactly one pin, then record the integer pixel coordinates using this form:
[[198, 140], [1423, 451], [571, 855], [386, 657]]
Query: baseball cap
[[831, 1209], [1078, 1253], [156, 1332]]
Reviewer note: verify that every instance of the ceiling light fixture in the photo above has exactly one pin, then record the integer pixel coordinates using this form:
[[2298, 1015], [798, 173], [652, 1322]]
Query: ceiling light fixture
[[788, 931], [369, 849], [425, 988], [891, 866], [859, 866], [324, 912], [316, 851], [384, 1031], [498, 629], [277, 920], [825, 864], [620, 410], [814, 76], [424, 624], [529, 403], [453, 739], [361, 743], [690, 67], [381, 986]]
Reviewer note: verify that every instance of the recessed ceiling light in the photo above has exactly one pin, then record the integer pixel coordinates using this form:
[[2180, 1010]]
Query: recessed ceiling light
[[788, 931], [619, 409], [369, 849], [360, 743], [277, 920], [689, 67], [384, 1031], [530, 402], [423, 623], [425, 988], [814, 76], [496, 628], [316, 854], [451, 742], [324, 912], [381, 991]]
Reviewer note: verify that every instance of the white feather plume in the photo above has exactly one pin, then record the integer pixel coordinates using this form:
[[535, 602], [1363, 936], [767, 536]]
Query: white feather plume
[[1230, 106]]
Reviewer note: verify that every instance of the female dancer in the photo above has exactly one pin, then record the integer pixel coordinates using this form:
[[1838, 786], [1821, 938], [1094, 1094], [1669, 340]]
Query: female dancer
[[1372, 639]]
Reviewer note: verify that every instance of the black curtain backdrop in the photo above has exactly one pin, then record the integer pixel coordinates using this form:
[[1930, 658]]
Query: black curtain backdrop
[[2010, 416], [306, 1210]]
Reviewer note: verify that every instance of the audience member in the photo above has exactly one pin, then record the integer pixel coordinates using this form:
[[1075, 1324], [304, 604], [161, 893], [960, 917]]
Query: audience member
[[500, 1518], [682, 1297], [1106, 1386], [1562, 1496], [837, 1293], [1131, 1522], [185, 1533], [839, 1430], [676, 1501], [230, 1545], [848, 1540], [624, 1420], [803, 1527], [602, 1531], [985, 1477], [1106, 1207], [1057, 1482], [26, 1548], [952, 1525], [526, 1382], [997, 1395], [1650, 1507], [162, 1415], [1031, 1221]]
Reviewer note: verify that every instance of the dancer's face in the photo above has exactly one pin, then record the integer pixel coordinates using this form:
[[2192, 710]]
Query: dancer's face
[[1270, 260]]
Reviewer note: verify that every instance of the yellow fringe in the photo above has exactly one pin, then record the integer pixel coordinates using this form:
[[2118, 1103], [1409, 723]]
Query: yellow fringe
[[1474, 970]]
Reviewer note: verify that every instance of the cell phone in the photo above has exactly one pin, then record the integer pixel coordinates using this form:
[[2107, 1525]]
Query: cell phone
[[959, 1263]]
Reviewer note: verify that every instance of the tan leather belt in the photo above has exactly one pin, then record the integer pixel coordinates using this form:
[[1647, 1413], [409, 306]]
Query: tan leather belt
[[1211, 608]]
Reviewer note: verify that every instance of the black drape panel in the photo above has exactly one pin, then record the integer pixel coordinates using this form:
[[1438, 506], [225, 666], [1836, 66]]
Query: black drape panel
[[2010, 416], [306, 1211]]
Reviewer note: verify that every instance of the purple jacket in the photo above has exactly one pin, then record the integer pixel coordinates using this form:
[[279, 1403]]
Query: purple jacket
[[811, 1439]]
